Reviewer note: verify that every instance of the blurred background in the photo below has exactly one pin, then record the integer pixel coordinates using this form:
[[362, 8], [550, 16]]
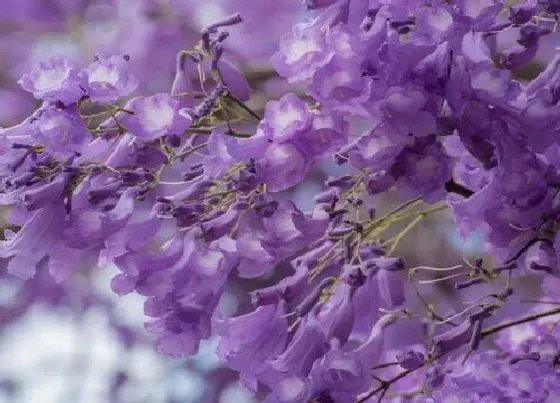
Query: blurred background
[[77, 341]]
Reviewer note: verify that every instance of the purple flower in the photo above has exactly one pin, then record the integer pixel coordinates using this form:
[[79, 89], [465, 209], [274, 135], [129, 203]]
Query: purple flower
[[235, 82], [297, 135], [168, 189], [254, 257], [376, 151], [467, 170], [225, 150], [328, 130], [518, 56], [25, 249], [286, 118], [133, 237], [61, 130], [108, 78], [366, 308], [391, 289], [489, 376], [369, 351], [155, 116], [86, 228], [45, 194], [422, 170], [301, 52], [310, 45], [182, 86], [146, 272], [341, 86], [53, 80], [493, 84], [182, 309], [475, 49], [339, 375], [405, 115], [337, 314], [288, 228], [411, 359], [287, 374], [290, 120], [264, 240], [249, 341], [282, 166]]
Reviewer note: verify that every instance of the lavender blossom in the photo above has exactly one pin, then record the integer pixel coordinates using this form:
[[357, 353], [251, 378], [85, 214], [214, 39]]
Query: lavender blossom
[[155, 116], [53, 80], [107, 79]]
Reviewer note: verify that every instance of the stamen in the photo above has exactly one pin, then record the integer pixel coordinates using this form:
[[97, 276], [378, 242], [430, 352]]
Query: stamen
[[429, 268], [439, 280]]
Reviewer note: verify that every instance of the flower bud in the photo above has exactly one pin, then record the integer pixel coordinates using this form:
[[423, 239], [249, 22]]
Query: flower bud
[[468, 283], [411, 359], [181, 83], [327, 196], [188, 214], [192, 174], [352, 275], [341, 231], [343, 181], [541, 256]]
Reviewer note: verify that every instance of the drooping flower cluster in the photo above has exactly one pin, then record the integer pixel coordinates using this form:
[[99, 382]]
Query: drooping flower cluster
[[188, 190]]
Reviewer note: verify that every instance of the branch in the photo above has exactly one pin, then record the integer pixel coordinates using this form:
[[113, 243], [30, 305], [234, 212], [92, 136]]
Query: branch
[[530, 318], [232, 133], [531, 242], [244, 107]]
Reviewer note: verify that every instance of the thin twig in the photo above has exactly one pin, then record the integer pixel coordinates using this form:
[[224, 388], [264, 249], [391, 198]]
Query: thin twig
[[232, 133], [244, 107], [188, 152], [385, 385], [530, 318]]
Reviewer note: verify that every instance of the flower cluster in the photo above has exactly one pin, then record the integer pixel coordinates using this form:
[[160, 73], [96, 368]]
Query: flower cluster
[[151, 32], [187, 191]]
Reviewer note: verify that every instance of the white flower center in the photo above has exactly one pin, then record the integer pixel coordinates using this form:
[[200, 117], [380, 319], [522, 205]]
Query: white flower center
[[157, 117], [48, 79], [285, 117], [299, 48], [104, 75]]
